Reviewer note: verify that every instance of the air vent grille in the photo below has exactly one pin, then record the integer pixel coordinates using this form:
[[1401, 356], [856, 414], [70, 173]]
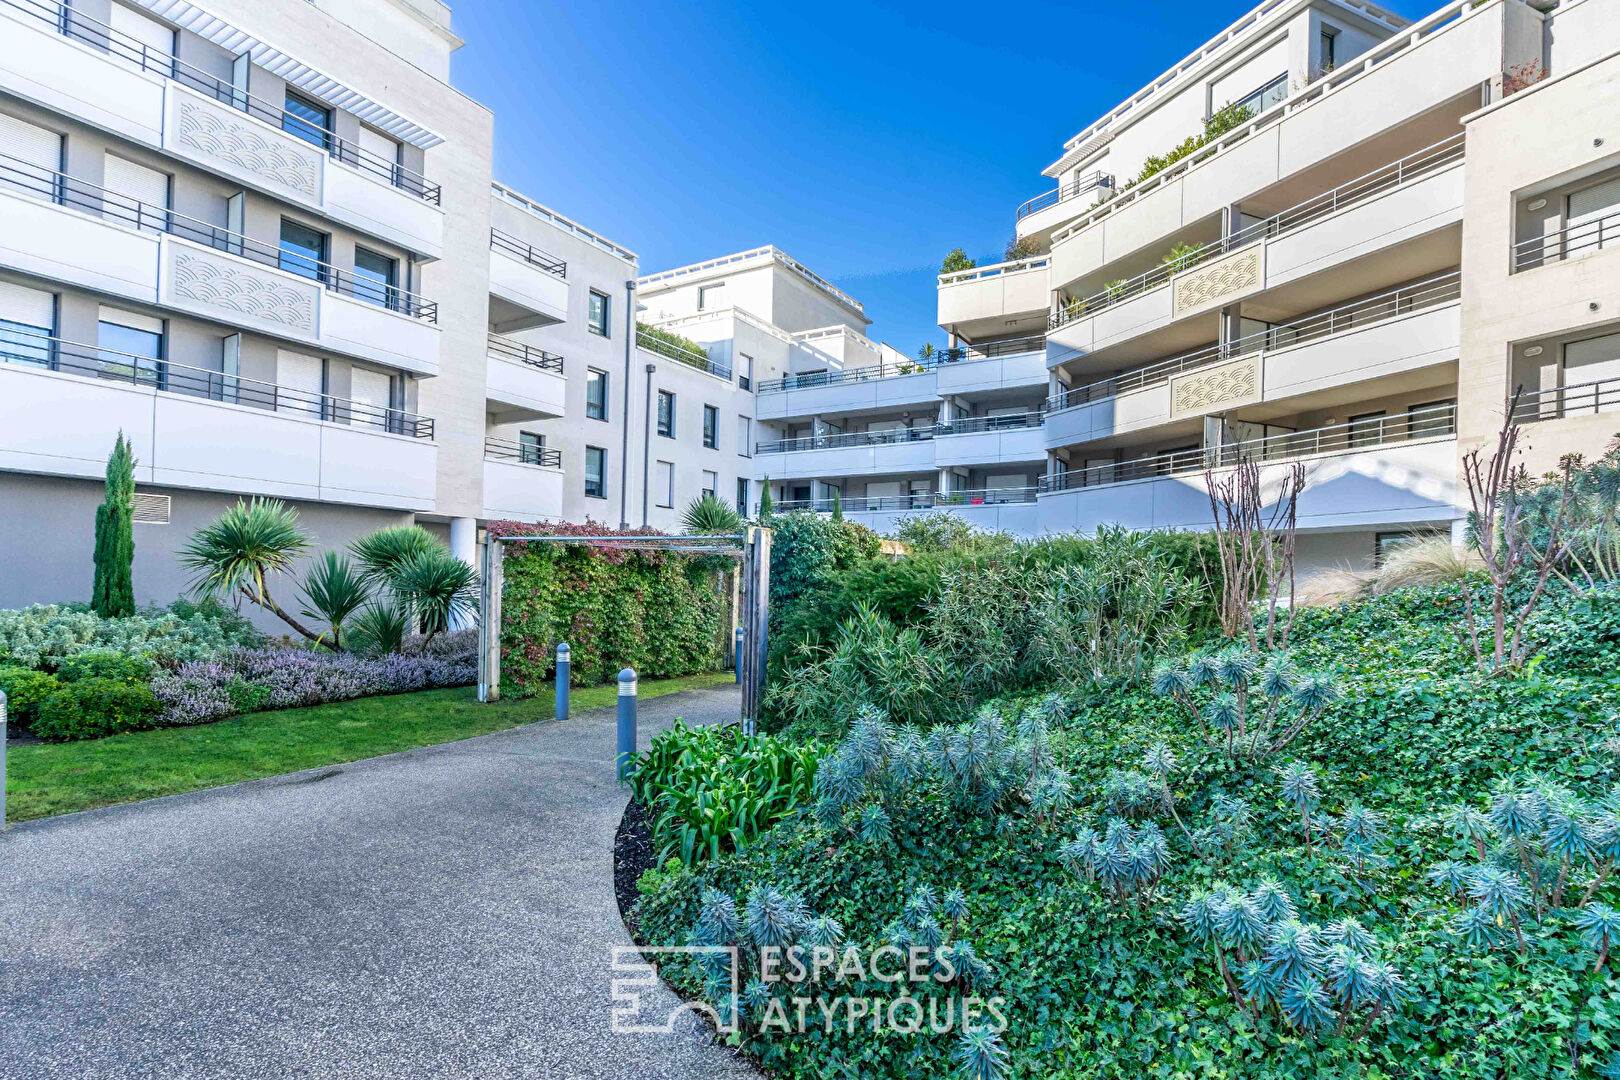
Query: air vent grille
[[151, 509]]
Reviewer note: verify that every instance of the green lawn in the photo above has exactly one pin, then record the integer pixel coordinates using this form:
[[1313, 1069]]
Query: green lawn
[[58, 778]]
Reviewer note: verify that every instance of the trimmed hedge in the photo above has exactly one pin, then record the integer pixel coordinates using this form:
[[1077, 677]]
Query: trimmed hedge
[[657, 612]]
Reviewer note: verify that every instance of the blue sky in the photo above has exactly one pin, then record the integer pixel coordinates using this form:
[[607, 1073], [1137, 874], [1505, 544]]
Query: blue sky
[[865, 139]]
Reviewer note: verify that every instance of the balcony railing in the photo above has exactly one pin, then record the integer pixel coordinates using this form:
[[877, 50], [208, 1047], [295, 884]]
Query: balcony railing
[[1353, 316], [1434, 422], [72, 23], [1581, 399], [81, 195], [511, 245], [30, 349], [930, 500], [989, 350], [1097, 181], [1430, 159], [654, 344], [525, 354], [903, 368], [522, 453], [978, 425], [1588, 236], [834, 440], [1001, 269]]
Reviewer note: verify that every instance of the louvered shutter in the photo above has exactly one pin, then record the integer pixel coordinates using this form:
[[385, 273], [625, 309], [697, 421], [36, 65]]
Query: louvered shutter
[[33, 157]]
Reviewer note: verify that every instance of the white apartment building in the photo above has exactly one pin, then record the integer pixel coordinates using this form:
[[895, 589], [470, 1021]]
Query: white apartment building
[[1398, 225]]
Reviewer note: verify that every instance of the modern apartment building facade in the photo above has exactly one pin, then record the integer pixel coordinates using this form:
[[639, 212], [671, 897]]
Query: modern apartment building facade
[[1396, 226]]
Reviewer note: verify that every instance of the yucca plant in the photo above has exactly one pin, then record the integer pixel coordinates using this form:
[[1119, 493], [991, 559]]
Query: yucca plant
[[379, 629], [242, 549], [1246, 706], [333, 590], [710, 515], [438, 589], [380, 552]]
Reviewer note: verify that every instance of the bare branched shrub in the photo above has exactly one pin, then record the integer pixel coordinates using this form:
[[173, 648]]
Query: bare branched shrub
[[1256, 545]]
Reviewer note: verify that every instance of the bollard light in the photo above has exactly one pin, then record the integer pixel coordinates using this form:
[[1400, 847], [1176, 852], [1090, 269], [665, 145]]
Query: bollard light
[[563, 680], [627, 722], [736, 655]]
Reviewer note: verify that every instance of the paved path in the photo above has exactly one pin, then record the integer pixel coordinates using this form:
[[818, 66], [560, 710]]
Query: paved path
[[441, 913]]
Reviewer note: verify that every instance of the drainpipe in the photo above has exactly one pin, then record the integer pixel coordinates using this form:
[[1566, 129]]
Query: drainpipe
[[624, 449], [646, 443]]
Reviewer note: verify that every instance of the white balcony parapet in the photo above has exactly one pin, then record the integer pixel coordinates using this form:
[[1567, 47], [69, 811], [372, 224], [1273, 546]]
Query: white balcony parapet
[[1013, 266], [903, 368], [738, 260], [1427, 161], [1439, 421], [711, 315], [1441, 289], [522, 483], [523, 382], [1445, 20], [566, 224]]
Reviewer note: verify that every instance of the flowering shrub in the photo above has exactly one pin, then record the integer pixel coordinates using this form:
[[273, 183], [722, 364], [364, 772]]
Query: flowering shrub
[[45, 634], [247, 680]]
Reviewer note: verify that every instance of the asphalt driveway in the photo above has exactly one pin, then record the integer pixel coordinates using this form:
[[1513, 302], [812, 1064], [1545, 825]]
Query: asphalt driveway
[[442, 913]]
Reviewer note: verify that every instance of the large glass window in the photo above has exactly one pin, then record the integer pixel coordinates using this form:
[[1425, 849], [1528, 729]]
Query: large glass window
[[131, 346], [711, 427], [307, 120], [596, 313], [376, 278], [303, 250], [595, 472], [666, 414], [596, 393], [1431, 418]]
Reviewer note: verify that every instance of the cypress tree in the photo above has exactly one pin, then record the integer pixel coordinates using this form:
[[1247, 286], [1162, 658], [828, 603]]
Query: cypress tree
[[765, 500], [838, 506], [112, 594]]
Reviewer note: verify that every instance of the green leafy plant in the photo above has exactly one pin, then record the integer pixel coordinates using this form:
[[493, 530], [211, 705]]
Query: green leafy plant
[[333, 590], [104, 664], [956, 261], [710, 515], [379, 629], [26, 689], [242, 549], [93, 708], [437, 588], [380, 552], [1183, 256], [112, 593], [1252, 707], [667, 342]]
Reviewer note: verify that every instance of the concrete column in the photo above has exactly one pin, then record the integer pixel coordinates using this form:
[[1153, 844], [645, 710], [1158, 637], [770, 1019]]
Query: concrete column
[[944, 482], [1231, 326], [464, 546], [1459, 533]]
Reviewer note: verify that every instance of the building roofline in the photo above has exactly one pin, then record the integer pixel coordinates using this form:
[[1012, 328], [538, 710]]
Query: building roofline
[[565, 224], [1264, 17], [725, 264]]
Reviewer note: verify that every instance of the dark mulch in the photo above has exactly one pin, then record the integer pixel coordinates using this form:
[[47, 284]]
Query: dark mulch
[[632, 854]]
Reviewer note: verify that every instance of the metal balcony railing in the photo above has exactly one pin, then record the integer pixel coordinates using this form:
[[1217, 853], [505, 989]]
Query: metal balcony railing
[[978, 425], [1588, 236], [857, 504], [1097, 181], [903, 368], [81, 195], [654, 344], [518, 249], [73, 23], [1430, 159], [525, 354], [1435, 422], [1581, 399], [522, 453], [832, 441], [1353, 316], [29, 349]]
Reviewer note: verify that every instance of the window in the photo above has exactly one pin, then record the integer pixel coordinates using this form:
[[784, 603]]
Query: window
[[27, 321], [666, 414], [745, 447], [1329, 59], [306, 120], [742, 495], [711, 483], [664, 484], [711, 296], [745, 372], [1366, 429], [153, 44], [596, 392], [376, 278], [711, 427], [530, 445], [36, 158], [303, 250], [132, 345], [596, 314], [1431, 418], [595, 472], [379, 154]]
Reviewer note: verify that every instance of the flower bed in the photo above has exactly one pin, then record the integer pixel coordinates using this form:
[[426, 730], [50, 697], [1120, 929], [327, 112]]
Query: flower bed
[[43, 635]]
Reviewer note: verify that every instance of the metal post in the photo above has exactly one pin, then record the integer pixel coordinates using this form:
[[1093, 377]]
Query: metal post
[[736, 654], [2, 760], [627, 721], [562, 681]]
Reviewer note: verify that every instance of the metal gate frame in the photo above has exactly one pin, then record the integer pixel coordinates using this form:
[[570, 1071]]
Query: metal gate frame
[[752, 547]]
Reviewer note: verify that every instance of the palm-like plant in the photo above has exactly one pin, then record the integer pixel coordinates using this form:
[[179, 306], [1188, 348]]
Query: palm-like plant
[[333, 590], [980, 1055], [1254, 708], [1302, 790], [710, 516], [380, 552], [379, 629], [242, 549], [1599, 925], [438, 588]]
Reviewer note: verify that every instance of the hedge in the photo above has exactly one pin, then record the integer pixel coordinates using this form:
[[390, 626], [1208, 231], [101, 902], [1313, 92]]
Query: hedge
[[658, 612]]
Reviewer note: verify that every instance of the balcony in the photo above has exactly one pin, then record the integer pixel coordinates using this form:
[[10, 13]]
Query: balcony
[[1010, 510], [63, 403], [986, 299], [829, 393], [1047, 211], [652, 342], [522, 483], [1404, 473], [863, 453], [64, 228], [523, 382], [1411, 197], [527, 286], [1583, 414], [1572, 242], [987, 440], [69, 61], [1439, 60], [1402, 330], [1019, 363]]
